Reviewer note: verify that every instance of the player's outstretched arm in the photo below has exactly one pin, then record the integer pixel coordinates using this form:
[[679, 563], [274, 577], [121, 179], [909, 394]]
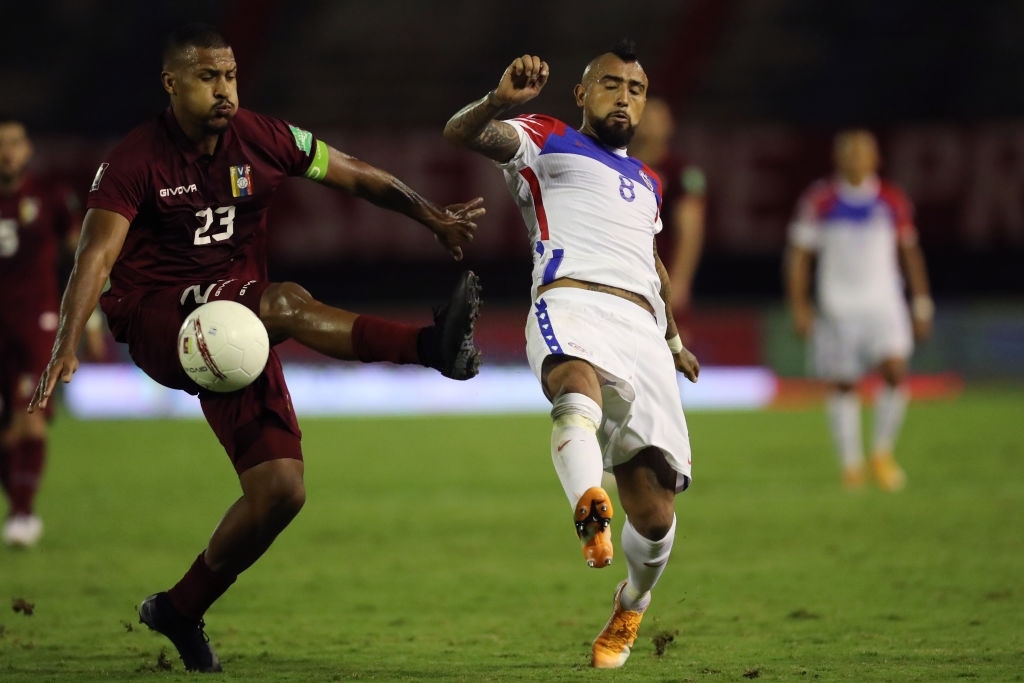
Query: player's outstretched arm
[[474, 127], [453, 225], [103, 234]]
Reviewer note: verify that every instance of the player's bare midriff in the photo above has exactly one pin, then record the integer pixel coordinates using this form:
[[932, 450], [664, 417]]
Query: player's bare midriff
[[596, 287]]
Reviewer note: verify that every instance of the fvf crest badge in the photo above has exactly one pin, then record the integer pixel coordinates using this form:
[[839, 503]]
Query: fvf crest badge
[[241, 180]]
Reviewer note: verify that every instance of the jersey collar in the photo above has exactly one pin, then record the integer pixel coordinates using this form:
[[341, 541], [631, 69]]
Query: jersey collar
[[866, 191]]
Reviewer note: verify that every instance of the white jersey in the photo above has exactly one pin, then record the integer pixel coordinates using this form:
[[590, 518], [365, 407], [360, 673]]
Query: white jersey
[[855, 231], [592, 211]]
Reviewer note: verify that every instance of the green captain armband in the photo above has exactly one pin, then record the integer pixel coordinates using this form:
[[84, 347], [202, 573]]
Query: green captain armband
[[318, 167]]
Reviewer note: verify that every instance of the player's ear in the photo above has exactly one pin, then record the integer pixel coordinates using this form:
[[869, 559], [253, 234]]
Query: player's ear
[[578, 92], [167, 81]]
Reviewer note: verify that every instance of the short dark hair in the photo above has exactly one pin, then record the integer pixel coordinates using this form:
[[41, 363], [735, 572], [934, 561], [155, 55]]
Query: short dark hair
[[192, 35], [625, 49]]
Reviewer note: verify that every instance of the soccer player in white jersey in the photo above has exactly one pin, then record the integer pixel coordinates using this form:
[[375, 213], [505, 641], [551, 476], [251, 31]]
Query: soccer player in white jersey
[[600, 334], [860, 230]]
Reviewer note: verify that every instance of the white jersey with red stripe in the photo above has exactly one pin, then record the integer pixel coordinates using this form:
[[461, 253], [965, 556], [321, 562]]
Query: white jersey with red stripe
[[855, 231], [592, 211]]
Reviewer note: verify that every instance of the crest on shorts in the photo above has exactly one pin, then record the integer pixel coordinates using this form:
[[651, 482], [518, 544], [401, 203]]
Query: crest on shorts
[[241, 180]]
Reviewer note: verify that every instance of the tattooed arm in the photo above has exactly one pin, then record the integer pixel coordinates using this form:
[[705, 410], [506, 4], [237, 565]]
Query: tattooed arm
[[474, 126]]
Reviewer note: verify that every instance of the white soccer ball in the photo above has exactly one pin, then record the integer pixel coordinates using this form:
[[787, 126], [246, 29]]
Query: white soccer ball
[[223, 346]]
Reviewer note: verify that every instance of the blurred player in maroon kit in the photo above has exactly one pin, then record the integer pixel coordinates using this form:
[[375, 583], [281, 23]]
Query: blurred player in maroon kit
[[37, 220], [177, 217], [683, 203]]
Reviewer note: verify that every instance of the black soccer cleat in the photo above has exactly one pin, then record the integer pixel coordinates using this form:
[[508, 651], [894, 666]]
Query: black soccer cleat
[[188, 636], [452, 349]]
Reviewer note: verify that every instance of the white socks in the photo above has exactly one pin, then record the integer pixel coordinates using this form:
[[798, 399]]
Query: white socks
[[890, 408], [575, 451], [577, 457], [843, 408], [645, 563]]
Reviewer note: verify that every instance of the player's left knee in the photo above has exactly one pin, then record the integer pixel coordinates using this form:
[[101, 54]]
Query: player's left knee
[[275, 490], [893, 371], [24, 425], [284, 499], [656, 524], [283, 302]]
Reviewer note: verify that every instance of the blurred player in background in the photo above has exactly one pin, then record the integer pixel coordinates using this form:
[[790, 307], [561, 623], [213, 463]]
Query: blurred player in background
[[177, 217], [860, 230], [601, 337], [38, 221], [683, 188]]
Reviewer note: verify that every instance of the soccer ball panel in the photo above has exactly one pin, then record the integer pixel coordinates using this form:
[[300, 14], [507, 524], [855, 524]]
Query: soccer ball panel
[[223, 346]]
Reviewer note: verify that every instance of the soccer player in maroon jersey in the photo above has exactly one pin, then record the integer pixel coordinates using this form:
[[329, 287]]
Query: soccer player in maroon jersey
[[683, 201], [37, 220], [177, 217]]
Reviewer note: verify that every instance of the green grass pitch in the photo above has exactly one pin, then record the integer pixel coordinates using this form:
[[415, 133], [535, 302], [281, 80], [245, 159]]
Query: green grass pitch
[[441, 549]]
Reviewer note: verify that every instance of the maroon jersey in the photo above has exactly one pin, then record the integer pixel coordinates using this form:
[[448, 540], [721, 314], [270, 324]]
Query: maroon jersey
[[194, 217], [678, 179], [34, 223]]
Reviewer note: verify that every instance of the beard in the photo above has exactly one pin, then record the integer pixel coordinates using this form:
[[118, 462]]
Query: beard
[[216, 122], [613, 132], [216, 126]]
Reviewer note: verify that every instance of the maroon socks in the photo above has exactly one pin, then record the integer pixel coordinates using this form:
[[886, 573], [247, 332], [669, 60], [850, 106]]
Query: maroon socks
[[198, 589], [22, 472], [376, 339]]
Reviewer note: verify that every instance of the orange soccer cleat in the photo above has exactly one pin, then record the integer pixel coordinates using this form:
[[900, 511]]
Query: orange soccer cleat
[[889, 475], [854, 477], [593, 525], [612, 646]]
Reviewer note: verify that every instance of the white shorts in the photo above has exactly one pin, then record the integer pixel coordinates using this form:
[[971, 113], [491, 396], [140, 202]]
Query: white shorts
[[626, 346], [844, 348]]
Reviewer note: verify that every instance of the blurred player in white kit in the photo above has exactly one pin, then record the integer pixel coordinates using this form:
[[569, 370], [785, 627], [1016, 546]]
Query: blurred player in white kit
[[860, 230]]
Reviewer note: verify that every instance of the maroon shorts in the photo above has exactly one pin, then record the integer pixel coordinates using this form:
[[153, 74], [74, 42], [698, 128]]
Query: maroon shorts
[[254, 424], [25, 346]]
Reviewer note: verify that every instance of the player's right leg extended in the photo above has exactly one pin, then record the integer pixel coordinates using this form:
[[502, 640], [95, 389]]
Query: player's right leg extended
[[448, 345], [576, 455]]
